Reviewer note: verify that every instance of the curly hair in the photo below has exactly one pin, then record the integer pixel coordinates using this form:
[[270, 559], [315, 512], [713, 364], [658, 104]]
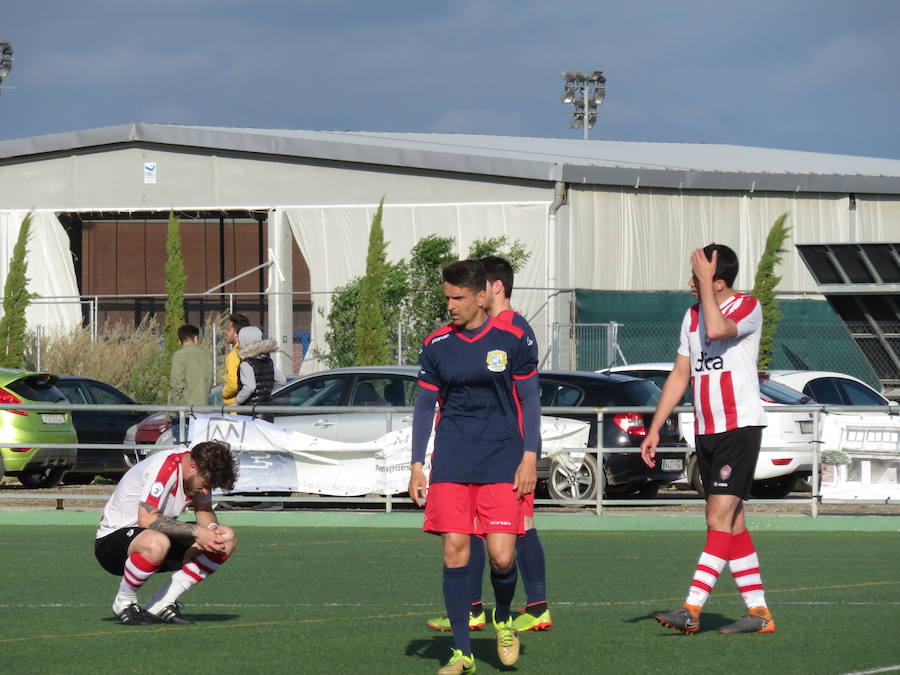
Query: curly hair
[[215, 460]]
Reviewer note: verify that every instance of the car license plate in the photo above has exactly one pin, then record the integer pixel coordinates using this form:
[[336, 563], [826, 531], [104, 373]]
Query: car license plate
[[672, 465], [53, 418]]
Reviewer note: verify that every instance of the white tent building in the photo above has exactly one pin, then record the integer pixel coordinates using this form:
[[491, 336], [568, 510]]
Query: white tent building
[[617, 216]]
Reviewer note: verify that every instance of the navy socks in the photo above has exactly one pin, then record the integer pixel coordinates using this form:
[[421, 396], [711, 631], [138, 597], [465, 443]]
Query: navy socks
[[530, 558], [456, 601]]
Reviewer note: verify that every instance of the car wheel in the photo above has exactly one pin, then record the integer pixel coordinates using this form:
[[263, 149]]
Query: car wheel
[[41, 479], [693, 476], [773, 488], [565, 485]]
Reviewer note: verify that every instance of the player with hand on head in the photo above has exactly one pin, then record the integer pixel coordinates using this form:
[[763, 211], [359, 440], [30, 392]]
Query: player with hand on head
[[483, 375], [140, 533], [529, 551], [717, 356]]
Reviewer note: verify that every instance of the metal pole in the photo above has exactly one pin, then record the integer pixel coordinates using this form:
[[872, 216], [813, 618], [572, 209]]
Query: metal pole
[[96, 319], [601, 474], [817, 447], [584, 91], [231, 303], [182, 436], [399, 343], [214, 353]]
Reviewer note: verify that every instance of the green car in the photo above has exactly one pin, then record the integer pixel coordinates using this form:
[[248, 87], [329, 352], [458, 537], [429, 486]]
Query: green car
[[34, 466]]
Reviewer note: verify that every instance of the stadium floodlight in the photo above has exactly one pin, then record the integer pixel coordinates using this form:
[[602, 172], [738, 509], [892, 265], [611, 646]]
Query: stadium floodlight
[[585, 94], [6, 59]]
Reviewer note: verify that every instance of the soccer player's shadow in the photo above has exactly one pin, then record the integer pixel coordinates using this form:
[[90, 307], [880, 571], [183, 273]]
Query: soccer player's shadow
[[437, 649], [709, 622], [198, 618]]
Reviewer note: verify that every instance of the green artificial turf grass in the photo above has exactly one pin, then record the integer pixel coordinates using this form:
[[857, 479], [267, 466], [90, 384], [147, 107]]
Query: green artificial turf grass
[[343, 600]]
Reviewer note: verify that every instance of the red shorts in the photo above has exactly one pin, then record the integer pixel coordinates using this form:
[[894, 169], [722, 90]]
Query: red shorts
[[528, 506], [473, 508]]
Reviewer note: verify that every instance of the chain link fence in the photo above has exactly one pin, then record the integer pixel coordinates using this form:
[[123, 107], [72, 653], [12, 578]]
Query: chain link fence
[[798, 346]]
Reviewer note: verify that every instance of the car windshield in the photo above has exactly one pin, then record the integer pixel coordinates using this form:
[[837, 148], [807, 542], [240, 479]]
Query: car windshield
[[37, 388], [775, 392]]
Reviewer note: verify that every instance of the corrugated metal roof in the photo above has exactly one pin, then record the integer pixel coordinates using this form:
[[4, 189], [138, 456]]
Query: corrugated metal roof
[[640, 164]]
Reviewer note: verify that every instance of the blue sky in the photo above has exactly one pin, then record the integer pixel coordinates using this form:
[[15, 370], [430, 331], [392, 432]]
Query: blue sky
[[818, 75]]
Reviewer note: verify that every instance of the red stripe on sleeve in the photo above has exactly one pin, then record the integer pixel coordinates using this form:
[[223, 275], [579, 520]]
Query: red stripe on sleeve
[[743, 308], [428, 385], [164, 475], [526, 376], [709, 424], [727, 386]]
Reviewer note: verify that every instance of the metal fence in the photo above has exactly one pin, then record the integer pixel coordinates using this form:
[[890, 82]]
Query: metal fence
[[597, 503], [798, 346]]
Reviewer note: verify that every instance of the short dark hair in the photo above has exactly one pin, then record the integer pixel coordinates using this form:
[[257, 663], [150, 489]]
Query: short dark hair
[[216, 462], [466, 274], [188, 332], [726, 263], [499, 269], [238, 321]]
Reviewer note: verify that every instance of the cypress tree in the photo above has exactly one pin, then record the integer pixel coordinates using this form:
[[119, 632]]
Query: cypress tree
[[15, 300], [764, 289], [175, 281], [371, 330]]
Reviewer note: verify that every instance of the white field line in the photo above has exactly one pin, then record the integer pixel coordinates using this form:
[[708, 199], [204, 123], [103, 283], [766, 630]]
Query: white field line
[[886, 669]]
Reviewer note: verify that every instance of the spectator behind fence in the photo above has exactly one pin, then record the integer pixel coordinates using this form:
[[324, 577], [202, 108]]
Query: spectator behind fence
[[235, 323], [258, 374], [191, 375]]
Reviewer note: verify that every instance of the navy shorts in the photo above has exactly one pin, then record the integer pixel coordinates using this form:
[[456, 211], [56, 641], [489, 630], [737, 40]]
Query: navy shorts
[[112, 550], [727, 461]]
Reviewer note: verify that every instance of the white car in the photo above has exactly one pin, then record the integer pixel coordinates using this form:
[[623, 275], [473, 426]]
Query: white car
[[786, 452]]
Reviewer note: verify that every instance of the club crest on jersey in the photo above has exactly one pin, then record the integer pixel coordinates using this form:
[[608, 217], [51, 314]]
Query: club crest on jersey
[[725, 472], [496, 360]]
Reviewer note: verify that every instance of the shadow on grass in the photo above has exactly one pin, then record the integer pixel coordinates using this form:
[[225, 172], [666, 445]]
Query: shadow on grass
[[198, 618], [709, 622], [438, 649]]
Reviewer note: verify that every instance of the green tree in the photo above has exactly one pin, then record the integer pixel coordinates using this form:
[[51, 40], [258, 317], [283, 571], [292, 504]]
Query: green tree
[[175, 281], [371, 330], [15, 300], [764, 288], [424, 307], [516, 255]]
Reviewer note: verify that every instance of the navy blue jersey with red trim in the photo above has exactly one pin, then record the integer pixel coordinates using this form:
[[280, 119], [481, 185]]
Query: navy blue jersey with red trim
[[478, 434], [516, 319]]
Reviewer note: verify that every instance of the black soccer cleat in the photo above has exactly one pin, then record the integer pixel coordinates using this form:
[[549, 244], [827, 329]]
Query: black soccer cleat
[[134, 615], [172, 614]]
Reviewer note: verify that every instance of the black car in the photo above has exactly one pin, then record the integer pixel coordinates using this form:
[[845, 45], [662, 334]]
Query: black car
[[97, 426], [625, 474]]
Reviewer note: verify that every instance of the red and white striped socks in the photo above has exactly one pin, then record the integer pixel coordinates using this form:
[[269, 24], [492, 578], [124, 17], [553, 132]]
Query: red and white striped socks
[[744, 566], [192, 572], [712, 561], [137, 570]]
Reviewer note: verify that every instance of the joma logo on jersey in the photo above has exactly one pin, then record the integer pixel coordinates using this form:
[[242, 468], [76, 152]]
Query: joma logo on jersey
[[706, 362], [440, 337], [496, 360]]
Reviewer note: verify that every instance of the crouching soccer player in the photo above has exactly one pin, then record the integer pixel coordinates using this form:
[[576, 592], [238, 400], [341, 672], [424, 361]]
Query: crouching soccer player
[[717, 355], [139, 533], [484, 375]]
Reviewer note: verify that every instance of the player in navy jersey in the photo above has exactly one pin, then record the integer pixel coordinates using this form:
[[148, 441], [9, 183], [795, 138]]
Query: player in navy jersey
[[718, 353], [529, 551], [483, 375]]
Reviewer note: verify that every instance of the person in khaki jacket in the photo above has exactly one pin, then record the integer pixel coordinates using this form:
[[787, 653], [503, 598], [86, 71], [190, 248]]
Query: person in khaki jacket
[[233, 359], [191, 376]]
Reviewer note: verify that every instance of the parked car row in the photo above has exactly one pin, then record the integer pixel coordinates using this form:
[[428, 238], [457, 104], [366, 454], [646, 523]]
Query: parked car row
[[785, 458]]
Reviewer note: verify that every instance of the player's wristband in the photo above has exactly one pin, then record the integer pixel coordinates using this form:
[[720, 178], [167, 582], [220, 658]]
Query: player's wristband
[[212, 526]]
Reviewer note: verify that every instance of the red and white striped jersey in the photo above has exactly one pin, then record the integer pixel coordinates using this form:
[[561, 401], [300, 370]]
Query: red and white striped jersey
[[156, 481], [724, 375]]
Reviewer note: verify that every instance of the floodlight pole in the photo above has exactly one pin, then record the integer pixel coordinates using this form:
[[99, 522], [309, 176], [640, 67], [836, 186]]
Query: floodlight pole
[[592, 89]]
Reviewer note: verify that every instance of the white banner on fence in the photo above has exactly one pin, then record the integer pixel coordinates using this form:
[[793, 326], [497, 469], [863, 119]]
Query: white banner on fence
[[861, 456], [276, 459]]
